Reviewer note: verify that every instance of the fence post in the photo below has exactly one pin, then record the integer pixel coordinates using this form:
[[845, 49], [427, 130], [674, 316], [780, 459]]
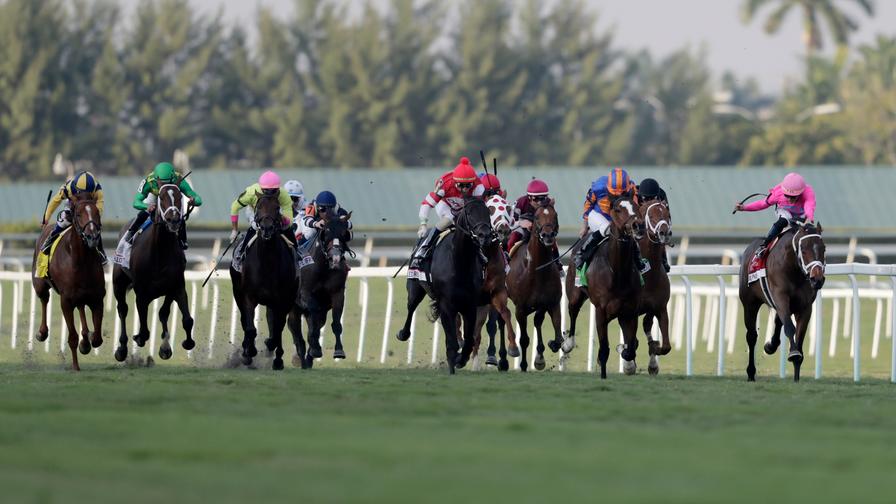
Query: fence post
[[856, 327], [722, 326], [818, 315], [893, 330], [689, 328]]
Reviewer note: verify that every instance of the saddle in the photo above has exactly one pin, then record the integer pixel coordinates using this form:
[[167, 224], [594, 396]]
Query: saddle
[[43, 260], [122, 255], [239, 253], [422, 273], [756, 269]]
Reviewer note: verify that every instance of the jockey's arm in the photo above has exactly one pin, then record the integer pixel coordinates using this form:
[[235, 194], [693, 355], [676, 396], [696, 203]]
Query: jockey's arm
[[187, 189], [809, 205], [100, 201], [285, 205], [446, 217], [246, 198], [54, 203], [142, 193]]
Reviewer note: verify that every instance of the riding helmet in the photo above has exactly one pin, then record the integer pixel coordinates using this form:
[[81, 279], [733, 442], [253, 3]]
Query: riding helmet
[[649, 189], [164, 172], [83, 182], [325, 198], [464, 172]]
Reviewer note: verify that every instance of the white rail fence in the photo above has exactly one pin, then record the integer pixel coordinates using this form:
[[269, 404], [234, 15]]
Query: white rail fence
[[701, 313]]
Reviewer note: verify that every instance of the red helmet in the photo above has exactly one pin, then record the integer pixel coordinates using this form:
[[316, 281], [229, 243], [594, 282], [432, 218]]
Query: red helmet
[[536, 187], [464, 172], [490, 182]]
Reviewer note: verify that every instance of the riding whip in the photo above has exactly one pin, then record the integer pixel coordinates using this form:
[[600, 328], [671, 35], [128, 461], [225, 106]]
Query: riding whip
[[484, 163], [406, 261], [552, 261], [748, 197], [212, 272], [43, 219]]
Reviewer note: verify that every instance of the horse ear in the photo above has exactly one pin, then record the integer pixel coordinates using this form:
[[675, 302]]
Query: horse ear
[[818, 227], [346, 217]]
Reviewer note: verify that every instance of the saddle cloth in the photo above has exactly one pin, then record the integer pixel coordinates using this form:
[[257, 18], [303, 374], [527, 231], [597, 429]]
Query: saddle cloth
[[122, 255], [756, 269], [422, 274], [43, 260], [236, 260]]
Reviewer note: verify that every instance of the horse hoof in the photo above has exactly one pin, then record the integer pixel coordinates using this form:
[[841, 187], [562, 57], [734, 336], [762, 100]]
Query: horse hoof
[[629, 367], [339, 354], [491, 360], [150, 362], [316, 353], [188, 344], [269, 346], [460, 361], [503, 365], [653, 367], [277, 364], [165, 351], [751, 378], [539, 363], [297, 362], [140, 341], [653, 347], [769, 348], [247, 361], [795, 356], [250, 352], [554, 345], [96, 340], [84, 347], [121, 354], [403, 335], [42, 335], [513, 351], [568, 344], [309, 361]]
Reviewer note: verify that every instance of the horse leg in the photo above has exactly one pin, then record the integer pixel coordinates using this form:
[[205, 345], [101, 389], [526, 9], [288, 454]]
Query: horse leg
[[316, 320], [802, 324], [491, 327], [186, 319], [482, 314], [603, 353], [68, 312], [276, 322], [96, 311], [577, 298], [653, 366], [121, 304], [43, 332], [142, 335], [164, 311], [249, 331], [539, 348], [415, 297], [269, 344], [84, 343], [664, 331], [556, 343], [469, 321], [499, 302], [449, 325], [524, 337], [751, 310], [629, 326], [503, 364], [294, 322], [338, 301], [772, 346]]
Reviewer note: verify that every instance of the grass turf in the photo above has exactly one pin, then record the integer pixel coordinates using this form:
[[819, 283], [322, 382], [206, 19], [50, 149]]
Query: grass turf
[[362, 435]]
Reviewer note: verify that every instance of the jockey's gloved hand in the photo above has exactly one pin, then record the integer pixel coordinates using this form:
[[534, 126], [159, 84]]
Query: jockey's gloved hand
[[421, 232], [233, 234], [318, 224]]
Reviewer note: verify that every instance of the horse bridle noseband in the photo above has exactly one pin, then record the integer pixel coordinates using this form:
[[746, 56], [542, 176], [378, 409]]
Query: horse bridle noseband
[[179, 214], [655, 228], [81, 230], [461, 220], [336, 244], [797, 244]]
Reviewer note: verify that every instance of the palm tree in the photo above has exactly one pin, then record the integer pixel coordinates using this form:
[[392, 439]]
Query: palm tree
[[838, 22]]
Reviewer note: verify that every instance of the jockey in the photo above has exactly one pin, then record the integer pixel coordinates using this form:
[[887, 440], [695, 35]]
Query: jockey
[[448, 199], [147, 195], [596, 215], [82, 183], [793, 198], [492, 186], [524, 214], [268, 183], [296, 193], [313, 221], [650, 190]]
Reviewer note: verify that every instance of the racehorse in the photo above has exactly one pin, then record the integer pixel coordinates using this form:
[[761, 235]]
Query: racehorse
[[268, 279], [75, 271], [534, 286], [795, 273], [655, 294], [613, 285], [457, 274], [321, 289], [157, 265]]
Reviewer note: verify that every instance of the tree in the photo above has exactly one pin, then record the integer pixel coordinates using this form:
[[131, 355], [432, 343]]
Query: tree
[[869, 95], [841, 24]]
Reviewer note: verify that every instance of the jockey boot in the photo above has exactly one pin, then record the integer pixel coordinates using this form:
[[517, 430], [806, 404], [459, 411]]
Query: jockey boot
[[555, 256], [583, 255], [102, 252], [642, 264], [138, 221], [423, 248], [48, 243]]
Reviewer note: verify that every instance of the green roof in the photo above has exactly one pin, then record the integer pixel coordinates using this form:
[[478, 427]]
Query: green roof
[[849, 198]]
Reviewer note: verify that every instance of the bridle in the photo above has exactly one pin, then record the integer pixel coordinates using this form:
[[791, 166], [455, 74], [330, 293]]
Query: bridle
[[82, 230], [654, 228], [267, 225], [546, 239], [172, 208], [631, 229], [797, 244], [335, 248], [482, 233]]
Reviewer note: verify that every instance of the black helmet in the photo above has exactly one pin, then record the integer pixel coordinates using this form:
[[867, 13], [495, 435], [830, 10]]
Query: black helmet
[[649, 189]]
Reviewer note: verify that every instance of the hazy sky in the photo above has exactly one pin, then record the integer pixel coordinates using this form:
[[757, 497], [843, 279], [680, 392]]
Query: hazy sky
[[666, 25]]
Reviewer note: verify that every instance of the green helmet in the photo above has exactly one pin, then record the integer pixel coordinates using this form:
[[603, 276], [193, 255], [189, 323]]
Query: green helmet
[[164, 172]]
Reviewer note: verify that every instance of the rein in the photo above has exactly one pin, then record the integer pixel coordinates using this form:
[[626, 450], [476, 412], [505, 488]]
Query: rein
[[797, 245]]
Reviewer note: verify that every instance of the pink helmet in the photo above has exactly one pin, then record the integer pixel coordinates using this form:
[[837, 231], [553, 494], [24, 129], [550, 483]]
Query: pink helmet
[[793, 184], [537, 187], [269, 180]]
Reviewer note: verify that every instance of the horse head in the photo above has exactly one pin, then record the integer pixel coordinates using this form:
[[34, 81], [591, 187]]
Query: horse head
[[546, 223], [268, 219], [808, 245], [86, 219], [499, 212], [334, 237], [626, 219], [170, 207], [474, 221], [657, 221]]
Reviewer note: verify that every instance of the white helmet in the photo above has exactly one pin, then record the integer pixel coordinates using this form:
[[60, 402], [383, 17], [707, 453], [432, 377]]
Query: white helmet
[[294, 189]]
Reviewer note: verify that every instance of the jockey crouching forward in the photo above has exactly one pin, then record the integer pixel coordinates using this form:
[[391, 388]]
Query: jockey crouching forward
[[148, 193], [82, 183], [793, 198], [296, 192], [268, 183], [596, 215], [448, 199], [324, 205], [537, 194]]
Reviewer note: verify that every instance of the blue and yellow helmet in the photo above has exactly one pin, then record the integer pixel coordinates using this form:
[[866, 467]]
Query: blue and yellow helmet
[[83, 182], [618, 182]]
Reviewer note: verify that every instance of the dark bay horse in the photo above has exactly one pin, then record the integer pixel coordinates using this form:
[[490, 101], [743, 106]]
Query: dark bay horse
[[76, 273], [655, 294], [537, 289], [268, 279], [795, 273], [613, 285], [321, 289], [156, 270], [457, 275]]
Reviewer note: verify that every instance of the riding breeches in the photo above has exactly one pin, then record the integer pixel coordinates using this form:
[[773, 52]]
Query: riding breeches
[[597, 222]]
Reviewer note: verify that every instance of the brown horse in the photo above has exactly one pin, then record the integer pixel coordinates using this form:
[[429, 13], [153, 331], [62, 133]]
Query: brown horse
[[156, 270], [795, 273], [655, 294], [534, 286], [76, 273], [613, 285], [493, 297]]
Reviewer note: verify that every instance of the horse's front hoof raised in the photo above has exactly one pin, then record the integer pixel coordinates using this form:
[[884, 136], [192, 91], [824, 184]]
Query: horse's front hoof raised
[[188, 344], [568, 344], [96, 339], [269, 346], [165, 351], [316, 353], [140, 340], [42, 335], [539, 362], [403, 335], [795, 356], [277, 365], [121, 354], [339, 353], [513, 351], [629, 367], [491, 360], [555, 345], [460, 361], [769, 348], [84, 347]]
